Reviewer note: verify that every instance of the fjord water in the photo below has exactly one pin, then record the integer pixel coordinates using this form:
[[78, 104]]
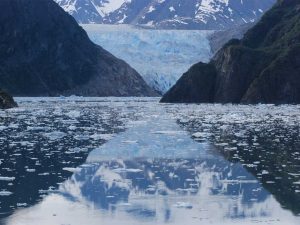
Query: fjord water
[[135, 161]]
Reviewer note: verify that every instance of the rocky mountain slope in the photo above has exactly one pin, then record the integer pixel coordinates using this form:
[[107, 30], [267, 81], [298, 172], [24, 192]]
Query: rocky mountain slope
[[218, 38], [168, 14], [263, 67], [43, 51]]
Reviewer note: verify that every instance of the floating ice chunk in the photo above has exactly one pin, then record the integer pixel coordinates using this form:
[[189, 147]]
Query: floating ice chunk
[[72, 127], [294, 174], [56, 135], [221, 144], [77, 149], [21, 204], [30, 170], [51, 189], [36, 128], [201, 135], [44, 174], [102, 136], [26, 143], [81, 137], [13, 125], [190, 180], [57, 112], [3, 128], [5, 193], [73, 114], [230, 148], [7, 178], [270, 182], [72, 170]]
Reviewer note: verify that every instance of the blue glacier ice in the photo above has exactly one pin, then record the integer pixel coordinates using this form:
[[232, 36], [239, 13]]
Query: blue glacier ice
[[160, 56]]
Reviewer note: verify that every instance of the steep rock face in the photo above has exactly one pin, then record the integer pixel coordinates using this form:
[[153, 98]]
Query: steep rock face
[[218, 38], [263, 67], [6, 101], [43, 51], [280, 81], [191, 82], [168, 14]]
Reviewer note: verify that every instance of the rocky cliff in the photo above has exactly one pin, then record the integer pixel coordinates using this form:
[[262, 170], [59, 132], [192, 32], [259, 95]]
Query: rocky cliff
[[44, 52], [6, 101], [263, 67], [220, 37]]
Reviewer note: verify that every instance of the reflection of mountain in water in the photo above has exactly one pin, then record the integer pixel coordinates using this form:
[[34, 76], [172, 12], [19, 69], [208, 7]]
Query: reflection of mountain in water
[[266, 144], [112, 182], [155, 172], [41, 139]]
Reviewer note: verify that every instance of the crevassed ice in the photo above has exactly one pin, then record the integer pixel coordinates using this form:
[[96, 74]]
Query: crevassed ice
[[160, 56]]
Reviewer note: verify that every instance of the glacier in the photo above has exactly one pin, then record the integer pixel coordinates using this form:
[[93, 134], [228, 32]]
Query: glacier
[[160, 56]]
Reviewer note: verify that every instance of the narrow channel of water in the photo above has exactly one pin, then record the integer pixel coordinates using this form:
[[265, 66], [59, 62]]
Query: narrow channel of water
[[133, 161]]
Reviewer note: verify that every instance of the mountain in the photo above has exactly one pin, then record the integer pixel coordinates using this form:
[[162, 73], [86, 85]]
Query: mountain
[[218, 38], [160, 56], [168, 14], [161, 31], [263, 67], [44, 52], [6, 101]]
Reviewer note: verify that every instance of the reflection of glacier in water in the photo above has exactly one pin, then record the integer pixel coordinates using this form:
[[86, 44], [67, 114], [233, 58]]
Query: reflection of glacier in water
[[154, 173]]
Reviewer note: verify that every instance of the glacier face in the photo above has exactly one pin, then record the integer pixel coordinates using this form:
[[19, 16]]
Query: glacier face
[[160, 56], [168, 14]]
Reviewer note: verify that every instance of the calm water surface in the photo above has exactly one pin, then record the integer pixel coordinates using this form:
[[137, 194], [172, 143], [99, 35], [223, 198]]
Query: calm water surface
[[133, 161]]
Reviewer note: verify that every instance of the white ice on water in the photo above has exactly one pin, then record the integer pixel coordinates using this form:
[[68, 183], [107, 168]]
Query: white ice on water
[[152, 134]]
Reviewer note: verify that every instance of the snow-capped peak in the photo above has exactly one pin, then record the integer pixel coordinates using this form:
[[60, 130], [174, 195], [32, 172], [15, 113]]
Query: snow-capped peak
[[170, 14]]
